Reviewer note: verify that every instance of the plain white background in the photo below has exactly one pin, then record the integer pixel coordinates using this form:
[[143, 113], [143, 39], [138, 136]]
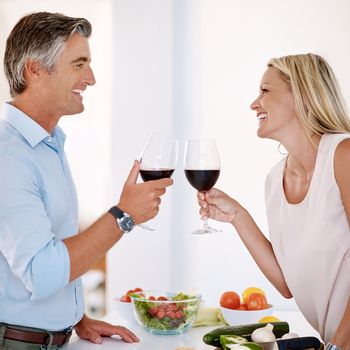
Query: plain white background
[[187, 68]]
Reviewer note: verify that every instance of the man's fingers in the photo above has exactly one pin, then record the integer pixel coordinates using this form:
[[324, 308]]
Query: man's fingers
[[125, 334], [159, 184], [134, 173], [93, 336]]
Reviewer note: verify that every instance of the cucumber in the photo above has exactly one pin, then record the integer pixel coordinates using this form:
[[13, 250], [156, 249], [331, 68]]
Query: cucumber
[[245, 331]]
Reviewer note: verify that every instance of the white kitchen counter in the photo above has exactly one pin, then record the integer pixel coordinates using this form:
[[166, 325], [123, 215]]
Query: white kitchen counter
[[192, 339]]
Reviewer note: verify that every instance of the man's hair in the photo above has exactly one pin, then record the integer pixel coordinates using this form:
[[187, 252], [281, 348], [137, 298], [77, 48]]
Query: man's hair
[[317, 97], [41, 37]]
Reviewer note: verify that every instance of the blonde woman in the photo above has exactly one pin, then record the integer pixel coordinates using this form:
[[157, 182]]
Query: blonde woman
[[307, 194]]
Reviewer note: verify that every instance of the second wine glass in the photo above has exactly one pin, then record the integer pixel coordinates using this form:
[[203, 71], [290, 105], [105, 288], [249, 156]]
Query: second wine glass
[[202, 169], [158, 160]]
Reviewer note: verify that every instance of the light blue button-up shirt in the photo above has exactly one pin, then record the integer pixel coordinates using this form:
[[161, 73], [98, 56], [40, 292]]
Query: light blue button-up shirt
[[38, 209]]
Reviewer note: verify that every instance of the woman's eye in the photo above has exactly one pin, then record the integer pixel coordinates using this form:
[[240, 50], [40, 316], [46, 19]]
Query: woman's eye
[[264, 90]]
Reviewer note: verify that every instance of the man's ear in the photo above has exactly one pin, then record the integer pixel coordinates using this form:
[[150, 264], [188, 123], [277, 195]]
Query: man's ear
[[32, 69]]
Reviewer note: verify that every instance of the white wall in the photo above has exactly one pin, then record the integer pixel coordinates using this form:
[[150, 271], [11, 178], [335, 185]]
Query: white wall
[[188, 68], [219, 51]]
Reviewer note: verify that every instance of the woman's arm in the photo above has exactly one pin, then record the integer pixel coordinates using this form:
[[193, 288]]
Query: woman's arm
[[341, 338], [219, 206]]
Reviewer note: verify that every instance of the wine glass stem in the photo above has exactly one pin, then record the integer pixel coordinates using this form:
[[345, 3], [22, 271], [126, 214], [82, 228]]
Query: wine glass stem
[[205, 223]]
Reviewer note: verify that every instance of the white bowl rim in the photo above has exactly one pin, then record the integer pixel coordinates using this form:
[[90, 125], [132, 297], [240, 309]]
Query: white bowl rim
[[270, 306]]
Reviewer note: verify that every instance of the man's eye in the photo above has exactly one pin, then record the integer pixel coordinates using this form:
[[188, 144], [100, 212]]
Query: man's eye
[[80, 65]]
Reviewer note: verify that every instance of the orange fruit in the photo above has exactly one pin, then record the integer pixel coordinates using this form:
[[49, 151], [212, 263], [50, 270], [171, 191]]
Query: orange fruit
[[248, 291]]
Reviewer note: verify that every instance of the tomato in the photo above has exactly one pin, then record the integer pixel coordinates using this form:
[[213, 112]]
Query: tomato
[[125, 299], [151, 298], [138, 290], [246, 293], [162, 298], [230, 300], [257, 301], [242, 307]]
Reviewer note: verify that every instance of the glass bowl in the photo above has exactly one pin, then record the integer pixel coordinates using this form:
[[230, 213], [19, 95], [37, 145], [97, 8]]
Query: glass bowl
[[236, 317], [165, 312]]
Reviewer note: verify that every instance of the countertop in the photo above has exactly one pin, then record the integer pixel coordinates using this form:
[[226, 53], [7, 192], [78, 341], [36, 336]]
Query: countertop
[[192, 339]]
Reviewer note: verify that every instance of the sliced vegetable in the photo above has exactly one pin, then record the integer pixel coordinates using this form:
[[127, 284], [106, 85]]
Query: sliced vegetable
[[225, 340], [249, 346], [246, 293], [245, 331], [256, 301]]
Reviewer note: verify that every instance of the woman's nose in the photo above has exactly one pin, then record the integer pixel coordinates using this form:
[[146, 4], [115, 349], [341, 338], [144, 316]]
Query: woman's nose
[[255, 104]]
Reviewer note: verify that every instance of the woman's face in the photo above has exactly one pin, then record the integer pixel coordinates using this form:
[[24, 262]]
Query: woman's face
[[275, 107]]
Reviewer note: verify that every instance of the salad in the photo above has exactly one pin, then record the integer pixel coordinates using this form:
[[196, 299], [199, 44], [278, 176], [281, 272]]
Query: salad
[[171, 312]]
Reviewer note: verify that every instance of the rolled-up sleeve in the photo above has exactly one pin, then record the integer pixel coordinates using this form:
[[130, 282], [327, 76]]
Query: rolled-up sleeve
[[26, 239]]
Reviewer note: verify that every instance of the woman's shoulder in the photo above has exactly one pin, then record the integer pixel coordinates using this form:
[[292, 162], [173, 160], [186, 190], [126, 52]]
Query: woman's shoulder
[[334, 139]]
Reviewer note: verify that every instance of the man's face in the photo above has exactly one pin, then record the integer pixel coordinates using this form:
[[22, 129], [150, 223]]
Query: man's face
[[63, 87]]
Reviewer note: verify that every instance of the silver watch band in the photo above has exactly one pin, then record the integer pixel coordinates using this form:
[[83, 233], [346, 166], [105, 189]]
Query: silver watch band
[[330, 346]]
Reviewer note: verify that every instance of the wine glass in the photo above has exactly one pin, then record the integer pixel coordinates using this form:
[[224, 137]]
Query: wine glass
[[158, 160], [202, 169]]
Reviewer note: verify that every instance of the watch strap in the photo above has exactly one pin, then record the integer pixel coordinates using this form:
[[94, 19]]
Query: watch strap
[[116, 212]]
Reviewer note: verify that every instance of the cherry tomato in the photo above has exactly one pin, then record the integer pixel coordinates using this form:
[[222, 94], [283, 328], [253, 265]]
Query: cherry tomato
[[151, 298], [257, 301], [162, 298], [230, 300], [138, 290], [125, 299]]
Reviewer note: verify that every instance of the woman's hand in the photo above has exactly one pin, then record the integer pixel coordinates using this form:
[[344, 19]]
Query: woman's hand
[[217, 205], [94, 330]]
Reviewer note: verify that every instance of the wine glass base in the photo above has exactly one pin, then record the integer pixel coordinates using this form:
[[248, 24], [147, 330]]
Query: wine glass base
[[206, 230], [146, 227]]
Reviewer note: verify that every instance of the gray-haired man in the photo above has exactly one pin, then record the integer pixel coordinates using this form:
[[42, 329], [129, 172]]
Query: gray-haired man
[[42, 256]]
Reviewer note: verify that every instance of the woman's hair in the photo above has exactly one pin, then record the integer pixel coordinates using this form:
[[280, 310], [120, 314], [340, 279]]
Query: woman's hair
[[41, 37], [317, 97]]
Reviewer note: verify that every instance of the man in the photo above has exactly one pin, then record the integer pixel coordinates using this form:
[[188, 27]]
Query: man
[[47, 63]]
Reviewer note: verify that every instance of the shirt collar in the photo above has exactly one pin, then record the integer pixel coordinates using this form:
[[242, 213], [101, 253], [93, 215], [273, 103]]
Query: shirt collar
[[27, 127]]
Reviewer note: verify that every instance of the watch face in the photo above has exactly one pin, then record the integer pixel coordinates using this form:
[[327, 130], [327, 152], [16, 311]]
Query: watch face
[[126, 223]]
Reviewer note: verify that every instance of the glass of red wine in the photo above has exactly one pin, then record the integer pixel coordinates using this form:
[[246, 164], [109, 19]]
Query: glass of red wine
[[158, 160], [202, 169]]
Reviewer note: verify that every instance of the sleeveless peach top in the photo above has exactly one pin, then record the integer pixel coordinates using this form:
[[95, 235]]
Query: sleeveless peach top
[[311, 240]]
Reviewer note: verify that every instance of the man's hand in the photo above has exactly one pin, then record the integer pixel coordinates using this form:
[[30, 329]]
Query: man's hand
[[94, 330], [142, 200]]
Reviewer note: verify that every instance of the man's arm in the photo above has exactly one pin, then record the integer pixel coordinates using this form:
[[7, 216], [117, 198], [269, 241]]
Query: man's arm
[[141, 201]]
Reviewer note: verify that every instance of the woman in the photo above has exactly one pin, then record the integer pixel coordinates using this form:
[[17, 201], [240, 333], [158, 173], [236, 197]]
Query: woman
[[307, 194]]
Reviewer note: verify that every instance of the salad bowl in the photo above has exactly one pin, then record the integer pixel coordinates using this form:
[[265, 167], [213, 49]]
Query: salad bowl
[[165, 312]]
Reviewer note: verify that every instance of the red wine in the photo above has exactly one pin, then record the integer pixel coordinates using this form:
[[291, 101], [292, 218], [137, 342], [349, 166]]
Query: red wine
[[202, 180], [148, 175]]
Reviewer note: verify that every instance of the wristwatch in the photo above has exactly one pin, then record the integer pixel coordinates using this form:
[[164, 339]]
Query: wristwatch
[[330, 346], [124, 221]]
